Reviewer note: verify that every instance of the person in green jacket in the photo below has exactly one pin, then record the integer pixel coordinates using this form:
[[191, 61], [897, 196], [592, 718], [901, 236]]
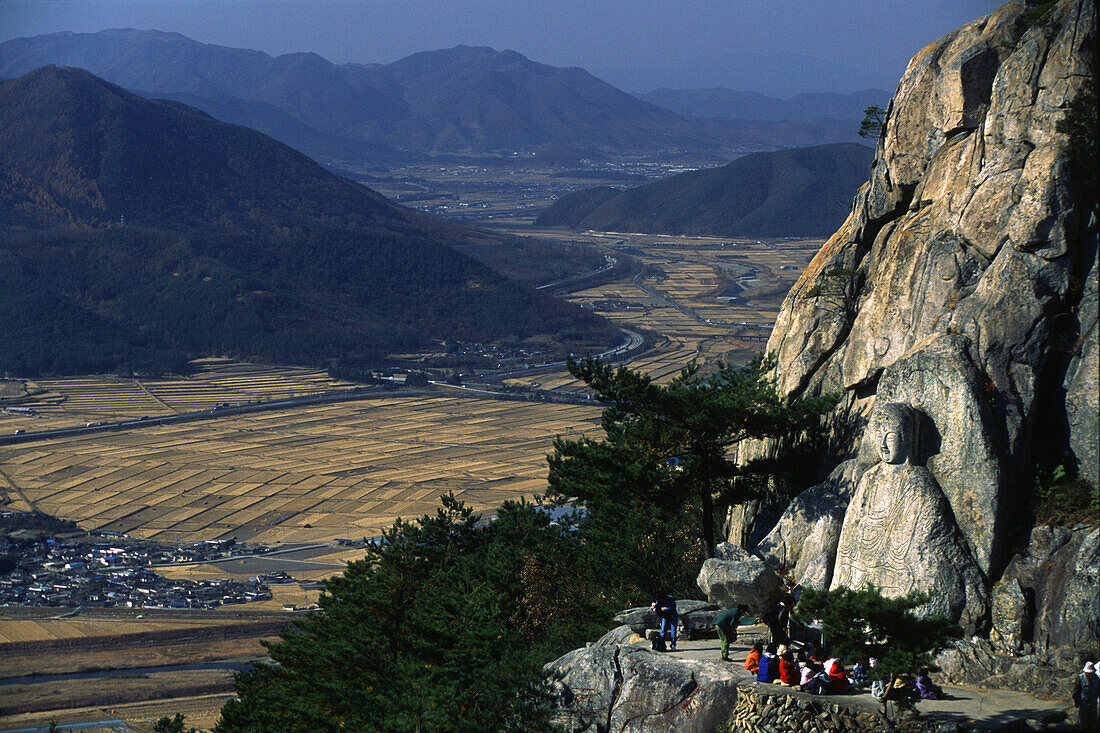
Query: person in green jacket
[[726, 625]]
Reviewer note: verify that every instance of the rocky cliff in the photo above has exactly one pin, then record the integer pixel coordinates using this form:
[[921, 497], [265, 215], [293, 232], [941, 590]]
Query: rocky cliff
[[955, 312]]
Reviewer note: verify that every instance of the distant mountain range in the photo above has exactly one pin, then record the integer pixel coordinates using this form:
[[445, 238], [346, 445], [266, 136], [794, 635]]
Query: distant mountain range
[[140, 233], [722, 102], [800, 192], [464, 100]]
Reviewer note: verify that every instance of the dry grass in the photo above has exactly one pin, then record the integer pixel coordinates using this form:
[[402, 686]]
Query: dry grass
[[199, 711]]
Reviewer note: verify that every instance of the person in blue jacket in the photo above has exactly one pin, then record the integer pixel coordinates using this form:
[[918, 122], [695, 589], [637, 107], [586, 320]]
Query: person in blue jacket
[[665, 606], [768, 670]]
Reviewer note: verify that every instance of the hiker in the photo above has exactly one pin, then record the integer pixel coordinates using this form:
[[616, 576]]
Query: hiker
[[769, 665], [726, 625], [928, 689], [778, 618], [788, 670], [665, 606], [879, 688], [901, 690], [1085, 694], [752, 661]]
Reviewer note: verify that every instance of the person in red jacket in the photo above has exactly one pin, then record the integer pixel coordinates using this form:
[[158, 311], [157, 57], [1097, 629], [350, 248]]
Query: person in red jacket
[[788, 669], [752, 662], [838, 680]]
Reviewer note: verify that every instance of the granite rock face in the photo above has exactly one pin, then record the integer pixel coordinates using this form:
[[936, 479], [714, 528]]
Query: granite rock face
[[613, 689], [1060, 571], [1011, 611], [964, 286], [734, 577], [804, 541]]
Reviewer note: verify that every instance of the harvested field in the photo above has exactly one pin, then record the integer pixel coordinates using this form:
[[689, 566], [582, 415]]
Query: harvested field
[[708, 298], [74, 401], [298, 475], [136, 687]]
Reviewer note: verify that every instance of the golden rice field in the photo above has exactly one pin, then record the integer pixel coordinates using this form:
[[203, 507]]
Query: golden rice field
[[68, 401], [349, 469], [307, 474]]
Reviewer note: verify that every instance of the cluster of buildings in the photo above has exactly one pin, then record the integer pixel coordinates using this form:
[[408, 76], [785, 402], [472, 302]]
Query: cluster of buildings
[[109, 570]]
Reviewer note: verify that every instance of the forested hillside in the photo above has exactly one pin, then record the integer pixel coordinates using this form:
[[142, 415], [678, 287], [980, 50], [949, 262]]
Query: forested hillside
[[142, 233], [801, 192]]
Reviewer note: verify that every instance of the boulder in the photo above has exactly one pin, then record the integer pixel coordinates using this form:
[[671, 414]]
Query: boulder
[[700, 622], [735, 577], [613, 689], [643, 617], [804, 541], [620, 635]]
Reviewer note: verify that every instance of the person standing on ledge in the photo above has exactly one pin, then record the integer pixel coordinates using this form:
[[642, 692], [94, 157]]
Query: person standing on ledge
[[1085, 695], [726, 625], [665, 606], [779, 618]]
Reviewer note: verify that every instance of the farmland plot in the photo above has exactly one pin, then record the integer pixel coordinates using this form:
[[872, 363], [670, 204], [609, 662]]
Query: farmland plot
[[708, 299], [309, 474]]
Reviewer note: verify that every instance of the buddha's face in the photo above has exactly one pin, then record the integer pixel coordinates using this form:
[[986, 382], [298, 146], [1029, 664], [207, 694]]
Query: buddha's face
[[891, 432], [891, 447]]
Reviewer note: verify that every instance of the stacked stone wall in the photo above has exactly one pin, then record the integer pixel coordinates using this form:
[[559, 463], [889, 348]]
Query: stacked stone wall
[[759, 712]]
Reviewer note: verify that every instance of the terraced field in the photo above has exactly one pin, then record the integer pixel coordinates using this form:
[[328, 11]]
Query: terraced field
[[307, 474]]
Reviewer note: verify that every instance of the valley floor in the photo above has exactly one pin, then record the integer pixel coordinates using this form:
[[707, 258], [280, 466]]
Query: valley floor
[[316, 472]]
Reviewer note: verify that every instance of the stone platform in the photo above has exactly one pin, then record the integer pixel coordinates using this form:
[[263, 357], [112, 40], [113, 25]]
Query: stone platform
[[983, 709]]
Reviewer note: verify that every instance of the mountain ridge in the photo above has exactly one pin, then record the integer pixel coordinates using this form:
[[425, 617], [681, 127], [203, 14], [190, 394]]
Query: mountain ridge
[[463, 100], [798, 192], [168, 234], [735, 104]]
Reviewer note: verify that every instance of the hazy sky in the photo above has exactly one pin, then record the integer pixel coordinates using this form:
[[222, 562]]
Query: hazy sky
[[776, 46]]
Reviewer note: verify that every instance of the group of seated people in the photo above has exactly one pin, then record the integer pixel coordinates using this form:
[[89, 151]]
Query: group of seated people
[[820, 674]]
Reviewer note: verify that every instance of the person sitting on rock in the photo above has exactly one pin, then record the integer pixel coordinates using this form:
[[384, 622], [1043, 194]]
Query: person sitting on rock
[[788, 669], [819, 683], [768, 670], [726, 625], [902, 691], [838, 680], [809, 669], [665, 606], [926, 688], [860, 672], [752, 661]]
